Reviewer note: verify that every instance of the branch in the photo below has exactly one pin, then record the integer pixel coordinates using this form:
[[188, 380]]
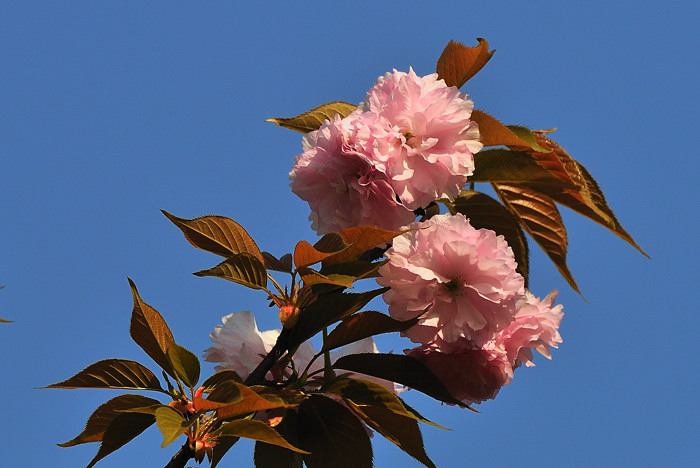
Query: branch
[[181, 457], [258, 375]]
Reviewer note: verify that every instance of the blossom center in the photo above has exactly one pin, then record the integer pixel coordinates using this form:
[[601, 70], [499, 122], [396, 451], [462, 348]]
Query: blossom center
[[455, 287]]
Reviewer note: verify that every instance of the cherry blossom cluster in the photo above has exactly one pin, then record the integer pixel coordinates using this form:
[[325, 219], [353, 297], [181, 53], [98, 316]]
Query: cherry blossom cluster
[[410, 142], [477, 321]]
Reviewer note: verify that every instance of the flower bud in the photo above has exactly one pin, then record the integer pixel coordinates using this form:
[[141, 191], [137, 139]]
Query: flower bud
[[289, 315]]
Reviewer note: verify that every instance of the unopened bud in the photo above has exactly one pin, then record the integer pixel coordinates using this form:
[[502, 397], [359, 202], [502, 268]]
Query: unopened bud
[[289, 315]]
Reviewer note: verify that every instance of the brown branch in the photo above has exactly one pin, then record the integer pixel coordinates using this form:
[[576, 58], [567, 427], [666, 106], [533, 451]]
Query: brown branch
[[257, 377], [181, 457]]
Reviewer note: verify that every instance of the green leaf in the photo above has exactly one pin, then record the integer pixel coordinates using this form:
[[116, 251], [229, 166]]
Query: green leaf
[[400, 369], [172, 424], [313, 119], [326, 310], [256, 430], [121, 430], [274, 456], [150, 332], [400, 430], [113, 373], [333, 435], [458, 63], [218, 235], [362, 325], [101, 418], [485, 212], [311, 277], [528, 136], [242, 268], [185, 364]]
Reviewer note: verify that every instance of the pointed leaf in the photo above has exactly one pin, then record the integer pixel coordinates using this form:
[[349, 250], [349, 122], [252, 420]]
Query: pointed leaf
[[101, 418], [121, 430], [529, 137], [223, 444], [333, 435], [310, 277], [113, 373], [250, 402], [359, 240], [367, 393], [274, 456], [283, 264], [458, 63], [5, 321], [256, 430], [305, 254], [400, 430], [514, 167], [172, 424], [362, 325], [494, 133], [326, 310], [400, 369], [218, 235], [313, 119], [241, 268], [485, 212], [219, 377], [330, 243], [540, 217], [185, 364]]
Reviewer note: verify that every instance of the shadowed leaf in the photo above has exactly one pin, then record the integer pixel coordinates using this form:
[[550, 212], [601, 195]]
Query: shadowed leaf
[[310, 277], [274, 456], [313, 119], [121, 430], [513, 167], [100, 419], [485, 212], [362, 325], [185, 364], [400, 430], [113, 373], [256, 430], [218, 235], [283, 264], [223, 444], [241, 268], [400, 369], [171, 424], [366, 393], [250, 401], [326, 310], [540, 217], [333, 435], [221, 376], [330, 243], [359, 240], [150, 332], [458, 63]]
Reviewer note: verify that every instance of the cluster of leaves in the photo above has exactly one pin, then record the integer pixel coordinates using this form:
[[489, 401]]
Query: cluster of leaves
[[529, 173]]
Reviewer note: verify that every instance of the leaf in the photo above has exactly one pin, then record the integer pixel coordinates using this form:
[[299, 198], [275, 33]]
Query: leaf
[[250, 401], [359, 240], [400, 430], [223, 444], [274, 456], [362, 325], [256, 430], [313, 119], [366, 393], [305, 254], [100, 419], [458, 63], [333, 435], [283, 264], [540, 217], [400, 369], [121, 430], [172, 424], [485, 212], [513, 167], [218, 235], [150, 332], [242, 268], [326, 310], [219, 377], [185, 364], [310, 277], [113, 373]]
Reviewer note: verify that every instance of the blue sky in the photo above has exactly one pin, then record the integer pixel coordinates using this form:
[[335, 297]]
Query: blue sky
[[110, 112]]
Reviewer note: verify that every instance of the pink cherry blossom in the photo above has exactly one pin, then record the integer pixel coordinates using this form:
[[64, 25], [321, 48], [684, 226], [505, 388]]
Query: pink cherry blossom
[[341, 183], [433, 140], [459, 280]]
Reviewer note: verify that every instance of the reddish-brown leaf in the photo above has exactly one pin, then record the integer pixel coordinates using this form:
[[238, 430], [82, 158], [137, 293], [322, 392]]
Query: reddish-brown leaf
[[313, 119], [362, 325], [217, 234], [310, 277], [359, 240], [122, 429], [306, 254], [283, 264], [150, 332], [256, 430], [494, 133], [241, 268], [250, 402], [458, 63], [113, 373]]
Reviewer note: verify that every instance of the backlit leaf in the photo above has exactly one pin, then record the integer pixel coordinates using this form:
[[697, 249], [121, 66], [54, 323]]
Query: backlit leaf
[[185, 364], [400, 369], [485, 212], [101, 418], [274, 456], [250, 401], [150, 332], [333, 435], [121, 430], [113, 373], [172, 424], [359, 240], [513, 167], [283, 264], [458, 63], [362, 325], [256, 430], [217, 234], [305, 254], [540, 217], [242, 268], [494, 133], [364, 392], [313, 119], [223, 444], [221, 376]]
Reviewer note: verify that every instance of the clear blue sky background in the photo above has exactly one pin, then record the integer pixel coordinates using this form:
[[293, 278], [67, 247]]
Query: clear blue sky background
[[110, 111]]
